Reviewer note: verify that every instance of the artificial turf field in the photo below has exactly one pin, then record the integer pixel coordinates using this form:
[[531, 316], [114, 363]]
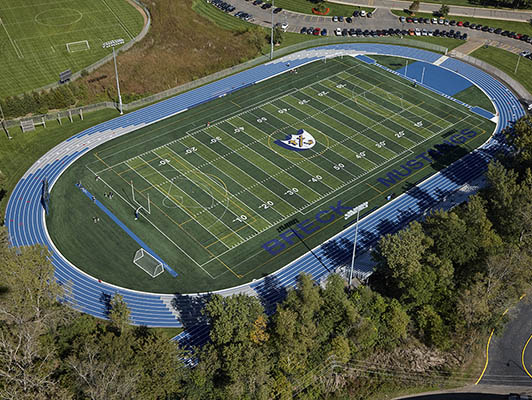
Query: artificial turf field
[[34, 37], [222, 186]]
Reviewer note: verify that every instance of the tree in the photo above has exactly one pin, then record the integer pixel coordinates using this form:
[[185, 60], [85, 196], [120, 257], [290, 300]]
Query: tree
[[444, 10], [238, 346], [277, 35], [119, 313], [414, 7], [28, 310], [519, 136]]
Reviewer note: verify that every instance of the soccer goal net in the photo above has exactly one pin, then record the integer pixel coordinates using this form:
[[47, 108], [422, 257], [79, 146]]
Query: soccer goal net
[[82, 45], [148, 263]]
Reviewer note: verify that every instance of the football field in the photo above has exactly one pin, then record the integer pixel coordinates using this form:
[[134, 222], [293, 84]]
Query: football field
[[238, 187], [41, 39]]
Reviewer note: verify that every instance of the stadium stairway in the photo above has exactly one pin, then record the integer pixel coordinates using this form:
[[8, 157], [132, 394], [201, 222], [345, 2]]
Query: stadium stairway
[[26, 223]]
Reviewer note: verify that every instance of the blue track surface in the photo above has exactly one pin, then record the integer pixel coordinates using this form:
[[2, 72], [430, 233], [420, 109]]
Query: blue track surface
[[437, 78], [25, 219]]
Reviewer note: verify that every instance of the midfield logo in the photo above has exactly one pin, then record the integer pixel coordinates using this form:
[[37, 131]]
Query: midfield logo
[[302, 141]]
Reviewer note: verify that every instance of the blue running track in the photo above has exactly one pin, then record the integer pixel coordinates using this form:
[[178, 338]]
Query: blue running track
[[25, 214]]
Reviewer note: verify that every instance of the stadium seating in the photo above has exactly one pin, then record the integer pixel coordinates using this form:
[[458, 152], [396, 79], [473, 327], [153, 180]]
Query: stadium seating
[[24, 215]]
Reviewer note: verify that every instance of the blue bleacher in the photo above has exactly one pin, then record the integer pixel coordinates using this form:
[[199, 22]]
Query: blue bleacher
[[25, 221]]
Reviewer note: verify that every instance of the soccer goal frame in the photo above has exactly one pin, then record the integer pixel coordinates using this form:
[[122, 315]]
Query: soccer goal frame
[[82, 45], [146, 207], [148, 263]]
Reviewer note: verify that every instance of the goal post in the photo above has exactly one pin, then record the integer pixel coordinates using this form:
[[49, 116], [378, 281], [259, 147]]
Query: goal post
[[143, 202], [148, 263], [81, 45]]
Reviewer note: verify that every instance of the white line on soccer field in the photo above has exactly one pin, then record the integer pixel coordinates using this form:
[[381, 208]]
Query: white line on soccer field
[[431, 94], [194, 131], [346, 138], [17, 50], [155, 226], [124, 27], [227, 197], [279, 169], [166, 195], [374, 111], [375, 123], [235, 195]]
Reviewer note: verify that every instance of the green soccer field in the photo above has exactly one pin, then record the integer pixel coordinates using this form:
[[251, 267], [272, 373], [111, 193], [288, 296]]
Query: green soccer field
[[217, 186], [41, 39]]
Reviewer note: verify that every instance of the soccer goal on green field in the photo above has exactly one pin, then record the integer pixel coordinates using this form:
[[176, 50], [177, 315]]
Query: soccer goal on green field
[[148, 263], [74, 47]]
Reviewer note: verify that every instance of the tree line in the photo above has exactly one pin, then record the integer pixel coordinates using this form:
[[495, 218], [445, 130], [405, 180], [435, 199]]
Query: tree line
[[440, 285]]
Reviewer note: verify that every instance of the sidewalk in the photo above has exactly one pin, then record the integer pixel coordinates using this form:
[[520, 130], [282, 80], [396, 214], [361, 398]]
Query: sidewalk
[[476, 12]]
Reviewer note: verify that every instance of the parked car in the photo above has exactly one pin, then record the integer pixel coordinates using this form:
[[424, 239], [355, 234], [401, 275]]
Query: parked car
[[402, 19], [345, 32], [338, 32], [310, 30], [303, 30], [349, 20], [452, 22], [257, 2], [426, 20], [434, 20], [352, 32], [459, 23], [323, 32], [340, 19], [498, 31], [316, 31], [277, 10], [265, 6], [362, 13], [335, 18], [409, 20], [370, 15], [466, 24], [356, 13]]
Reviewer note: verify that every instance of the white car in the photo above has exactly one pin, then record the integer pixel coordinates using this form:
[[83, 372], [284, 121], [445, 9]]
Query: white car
[[441, 21], [338, 32], [362, 13], [434, 20], [424, 32], [284, 26], [417, 32]]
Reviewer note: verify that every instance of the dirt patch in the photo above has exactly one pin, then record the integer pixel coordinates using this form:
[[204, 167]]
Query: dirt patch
[[180, 46]]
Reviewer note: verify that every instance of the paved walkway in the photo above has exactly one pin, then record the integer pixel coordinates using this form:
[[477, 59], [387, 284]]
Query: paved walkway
[[477, 12], [469, 46]]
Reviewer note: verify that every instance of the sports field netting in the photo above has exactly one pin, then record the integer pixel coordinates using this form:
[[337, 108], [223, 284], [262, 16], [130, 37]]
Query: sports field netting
[[227, 180], [34, 37]]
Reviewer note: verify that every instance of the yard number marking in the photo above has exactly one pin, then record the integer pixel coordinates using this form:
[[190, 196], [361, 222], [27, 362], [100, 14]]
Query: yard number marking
[[164, 162], [291, 192], [191, 150], [266, 205]]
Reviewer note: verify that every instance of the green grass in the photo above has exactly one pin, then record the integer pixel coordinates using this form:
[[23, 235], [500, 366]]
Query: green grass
[[168, 332], [506, 61], [305, 7], [219, 193], [518, 27], [472, 95], [34, 38], [467, 3], [19, 153]]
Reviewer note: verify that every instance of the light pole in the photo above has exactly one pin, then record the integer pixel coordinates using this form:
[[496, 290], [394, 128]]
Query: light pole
[[113, 44], [422, 75], [271, 36], [357, 209], [517, 64], [2, 121]]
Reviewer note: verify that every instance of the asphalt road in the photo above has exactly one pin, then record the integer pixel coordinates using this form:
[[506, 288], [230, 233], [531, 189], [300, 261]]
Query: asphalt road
[[508, 356], [382, 19]]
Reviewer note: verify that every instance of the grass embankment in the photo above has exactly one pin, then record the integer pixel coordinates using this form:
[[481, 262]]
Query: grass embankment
[[19, 153], [506, 61], [512, 26], [305, 7]]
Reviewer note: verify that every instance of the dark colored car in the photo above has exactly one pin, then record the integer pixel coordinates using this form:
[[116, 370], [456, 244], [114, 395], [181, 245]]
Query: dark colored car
[[310, 30], [257, 2], [464, 36], [366, 33], [485, 28], [352, 32], [466, 24], [265, 6], [340, 19], [472, 26], [303, 30], [409, 19], [479, 27], [323, 32], [491, 30], [277, 10], [356, 13], [498, 31], [345, 32], [349, 20], [452, 22]]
